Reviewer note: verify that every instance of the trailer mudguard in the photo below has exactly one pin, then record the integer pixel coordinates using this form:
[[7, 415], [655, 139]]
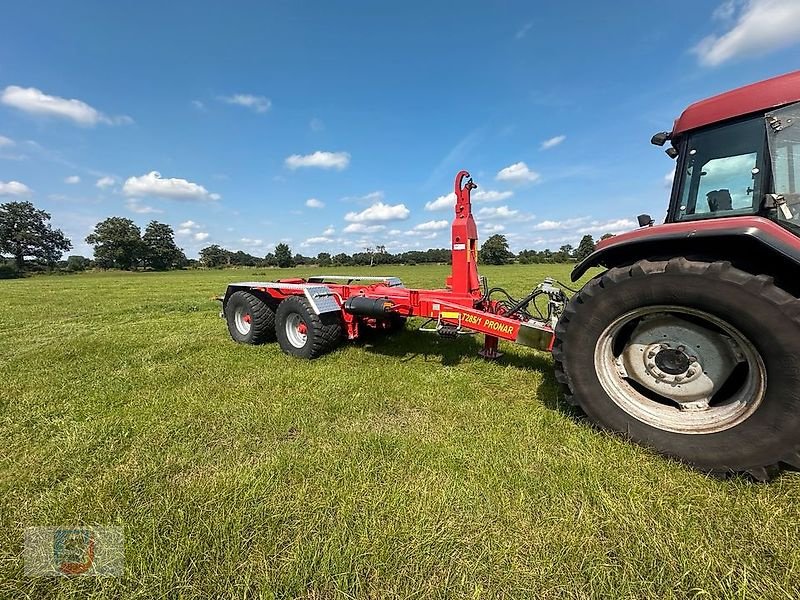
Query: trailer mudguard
[[751, 243]]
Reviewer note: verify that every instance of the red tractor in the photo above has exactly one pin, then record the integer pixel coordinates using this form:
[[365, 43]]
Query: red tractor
[[688, 342]]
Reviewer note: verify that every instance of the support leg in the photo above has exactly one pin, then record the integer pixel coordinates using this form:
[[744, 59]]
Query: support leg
[[490, 351]]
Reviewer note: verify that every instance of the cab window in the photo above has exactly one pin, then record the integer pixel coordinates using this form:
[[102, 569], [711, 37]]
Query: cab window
[[721, 171]]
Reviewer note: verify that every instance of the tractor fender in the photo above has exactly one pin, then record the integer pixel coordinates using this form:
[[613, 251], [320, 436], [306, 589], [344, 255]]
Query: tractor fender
[[751, 243]]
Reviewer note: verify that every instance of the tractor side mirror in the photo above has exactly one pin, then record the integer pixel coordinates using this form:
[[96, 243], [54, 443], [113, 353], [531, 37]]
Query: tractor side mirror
[[660, 138], [645, 220]]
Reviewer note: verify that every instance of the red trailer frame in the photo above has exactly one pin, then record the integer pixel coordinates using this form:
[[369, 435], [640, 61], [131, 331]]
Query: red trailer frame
[[463, 306]]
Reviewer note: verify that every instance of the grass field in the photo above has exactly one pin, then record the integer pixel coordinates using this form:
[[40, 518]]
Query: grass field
[[407, 468]]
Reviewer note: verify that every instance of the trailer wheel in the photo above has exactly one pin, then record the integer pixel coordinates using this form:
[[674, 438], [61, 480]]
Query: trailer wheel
[[302, 332], [250, 319], [697, 360]]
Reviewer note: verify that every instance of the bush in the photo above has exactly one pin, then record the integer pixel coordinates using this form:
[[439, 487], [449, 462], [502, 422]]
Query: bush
[[9, 271]]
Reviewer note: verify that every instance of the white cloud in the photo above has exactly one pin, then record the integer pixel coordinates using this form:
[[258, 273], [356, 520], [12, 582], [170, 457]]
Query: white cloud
[[517, 173], [669, 178], [316, 124], [762, 26], [13, 188], [314, 203], [199, 105], [523, 31], [725, 11], [556, 225], [189, 228], [580, 225], [319, 159], [492, 228], [259, 104], [329, 231], [363, 228], [152, 184], [497, 212], [200, 236], [72, 179], [490, 195], [5, 141], [133, 205], [615, 226], [552, 142], [379, 212], [432, 226], [251, 241], [105, 182], [317, 240], [370, 198], [442, 202], [448, 201], [36, 102]]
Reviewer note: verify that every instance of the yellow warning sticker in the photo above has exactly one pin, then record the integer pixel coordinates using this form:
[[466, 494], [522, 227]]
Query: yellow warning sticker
[[445, 314]]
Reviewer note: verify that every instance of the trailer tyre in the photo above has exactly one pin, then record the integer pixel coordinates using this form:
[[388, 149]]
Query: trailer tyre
[[697, 360], [302, 332], [250, 319]]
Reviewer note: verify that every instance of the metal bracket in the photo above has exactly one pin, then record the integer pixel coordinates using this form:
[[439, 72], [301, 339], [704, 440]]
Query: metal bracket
[[442, 324]]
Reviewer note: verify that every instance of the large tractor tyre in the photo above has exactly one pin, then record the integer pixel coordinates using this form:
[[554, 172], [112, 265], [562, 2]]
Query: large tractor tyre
[[698, 360], [302, 332], [250, 319]]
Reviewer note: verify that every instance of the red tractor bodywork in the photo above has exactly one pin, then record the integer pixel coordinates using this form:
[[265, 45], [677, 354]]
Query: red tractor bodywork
[[755, 242], [745, 100]]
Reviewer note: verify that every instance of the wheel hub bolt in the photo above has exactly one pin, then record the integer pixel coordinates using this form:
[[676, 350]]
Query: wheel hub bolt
[[690, 372], [681, 348], [692, 359], [664, 345]]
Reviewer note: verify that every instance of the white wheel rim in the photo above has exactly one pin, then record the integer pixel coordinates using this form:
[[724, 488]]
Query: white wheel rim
[[242, 319], [294, 326], [667, 367]]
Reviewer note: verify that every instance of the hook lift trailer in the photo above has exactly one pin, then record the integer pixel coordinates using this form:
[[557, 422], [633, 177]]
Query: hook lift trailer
[[688, 342]]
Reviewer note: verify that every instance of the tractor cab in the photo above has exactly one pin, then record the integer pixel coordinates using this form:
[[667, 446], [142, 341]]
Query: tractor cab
[[739, 154]]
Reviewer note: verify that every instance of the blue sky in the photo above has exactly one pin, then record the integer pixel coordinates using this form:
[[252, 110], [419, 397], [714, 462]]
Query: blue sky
[[336, 126]]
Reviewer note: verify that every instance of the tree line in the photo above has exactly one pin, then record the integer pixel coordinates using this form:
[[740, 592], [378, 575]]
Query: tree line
[[33, 244]]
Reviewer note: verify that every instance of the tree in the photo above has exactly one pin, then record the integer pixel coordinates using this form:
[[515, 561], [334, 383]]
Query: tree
[[213, 256], [605, 236], [117, 243], [77, 263], [324, 259], [585, 247], [495, 250], [159, 249], [283, 255], [25, 231]]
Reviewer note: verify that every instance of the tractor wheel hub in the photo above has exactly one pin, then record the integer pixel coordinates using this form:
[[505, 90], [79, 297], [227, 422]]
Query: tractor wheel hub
[[673, 362], [669, 363]]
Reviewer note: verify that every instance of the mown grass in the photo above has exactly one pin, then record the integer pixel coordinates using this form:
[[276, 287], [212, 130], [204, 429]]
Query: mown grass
[[405, 468]]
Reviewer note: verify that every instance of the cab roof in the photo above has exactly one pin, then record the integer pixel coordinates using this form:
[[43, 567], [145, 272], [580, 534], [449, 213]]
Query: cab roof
[[755, 97]]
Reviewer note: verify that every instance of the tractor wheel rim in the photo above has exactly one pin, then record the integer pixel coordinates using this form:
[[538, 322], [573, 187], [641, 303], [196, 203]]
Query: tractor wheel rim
[[296, 330], [242, 320], [680, 369]]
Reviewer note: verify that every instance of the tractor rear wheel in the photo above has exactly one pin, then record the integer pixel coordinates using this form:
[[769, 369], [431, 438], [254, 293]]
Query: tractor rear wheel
[[250, 319], [302, 332], [698, 360]]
